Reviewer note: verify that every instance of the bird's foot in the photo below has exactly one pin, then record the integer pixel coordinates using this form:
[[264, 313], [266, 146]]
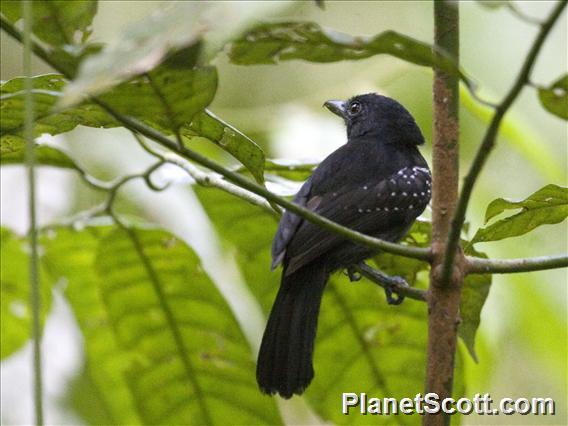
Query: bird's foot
[[352, 274], [392, 285]]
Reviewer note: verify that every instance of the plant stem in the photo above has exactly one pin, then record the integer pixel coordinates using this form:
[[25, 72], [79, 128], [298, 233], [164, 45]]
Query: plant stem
[[443, 294], [477, 265], [490, 137], [35, 299]]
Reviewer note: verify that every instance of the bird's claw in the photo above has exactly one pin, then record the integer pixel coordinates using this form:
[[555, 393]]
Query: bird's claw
[[390, 290], [353, 274]]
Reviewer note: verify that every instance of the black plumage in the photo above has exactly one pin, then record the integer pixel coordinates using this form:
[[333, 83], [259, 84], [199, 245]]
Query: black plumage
[[377, 183]]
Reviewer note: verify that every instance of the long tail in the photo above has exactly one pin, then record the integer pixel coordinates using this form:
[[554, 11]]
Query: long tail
[[285, 357]]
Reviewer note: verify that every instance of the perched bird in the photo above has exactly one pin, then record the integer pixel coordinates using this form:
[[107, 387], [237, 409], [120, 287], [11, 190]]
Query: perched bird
[[377, 184]]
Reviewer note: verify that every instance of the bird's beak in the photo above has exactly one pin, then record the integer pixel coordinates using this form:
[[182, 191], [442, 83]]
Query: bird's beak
[[337, 107]]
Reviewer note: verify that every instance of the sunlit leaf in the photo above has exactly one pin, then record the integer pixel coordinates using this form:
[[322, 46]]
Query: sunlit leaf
[[100, 394], [274, 42], [191, 358], [15, 308], [555, 97], [47, 90], [161, 342], [548, 205], [208, 126], [169, 98], [178, 26], [56, 22], [13, 151]]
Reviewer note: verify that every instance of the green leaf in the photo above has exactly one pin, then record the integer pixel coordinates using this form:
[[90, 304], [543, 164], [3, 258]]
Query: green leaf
[[15, 294], [100, 394], [162, 345], [475, 291], [56, 22], [274, 42], [549, 205], [207, 125], [555, 97], [142, 46], [382, 349], [177, 27], [46, 92], [13, 151], [187, 343], [169, 98], [166, 97]]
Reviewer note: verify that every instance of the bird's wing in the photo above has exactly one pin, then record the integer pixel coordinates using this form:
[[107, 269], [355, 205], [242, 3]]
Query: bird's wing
[[289, 224], [373, 209]]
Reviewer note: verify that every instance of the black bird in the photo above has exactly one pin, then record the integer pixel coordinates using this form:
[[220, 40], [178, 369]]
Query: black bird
[[377, 183]]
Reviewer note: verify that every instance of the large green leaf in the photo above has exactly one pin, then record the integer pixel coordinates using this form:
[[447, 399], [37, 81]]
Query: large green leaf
[[47, 90], [548, 205], [15, 307], [192, 363], [169, 98], [362, 343], [555, 97], [100, 394], [162, 345], [56, 22], [13, 151], [274, 42]]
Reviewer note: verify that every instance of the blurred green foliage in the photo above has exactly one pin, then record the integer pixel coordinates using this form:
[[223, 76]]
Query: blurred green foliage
[[161, 343]]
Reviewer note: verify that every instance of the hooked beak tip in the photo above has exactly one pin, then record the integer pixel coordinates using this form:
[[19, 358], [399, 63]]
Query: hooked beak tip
[[337, 107]]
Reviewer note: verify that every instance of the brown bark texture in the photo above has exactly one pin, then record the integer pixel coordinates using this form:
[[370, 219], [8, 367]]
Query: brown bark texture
[[443, 296]]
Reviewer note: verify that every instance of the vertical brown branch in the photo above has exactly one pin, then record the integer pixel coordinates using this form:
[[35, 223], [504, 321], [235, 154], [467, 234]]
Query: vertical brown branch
[[444, 295]]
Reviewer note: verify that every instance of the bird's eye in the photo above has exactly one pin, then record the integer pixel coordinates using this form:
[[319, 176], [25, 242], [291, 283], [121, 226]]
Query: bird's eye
[[354, 108]]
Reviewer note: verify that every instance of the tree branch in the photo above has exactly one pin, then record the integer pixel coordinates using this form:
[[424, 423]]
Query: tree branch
[[490, 138], [477, 265], [444, 293]]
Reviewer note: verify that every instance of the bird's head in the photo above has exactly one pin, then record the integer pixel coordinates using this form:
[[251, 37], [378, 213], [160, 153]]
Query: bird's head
[[379, 116]]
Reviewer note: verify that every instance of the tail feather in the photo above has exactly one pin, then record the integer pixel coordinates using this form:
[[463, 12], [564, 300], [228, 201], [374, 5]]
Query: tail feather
[[285, 357]]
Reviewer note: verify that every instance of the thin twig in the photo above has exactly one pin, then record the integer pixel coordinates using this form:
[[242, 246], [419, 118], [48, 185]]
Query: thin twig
[[34, 279], [490, 138], [522, 15], [208, 179], [478, 265]]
